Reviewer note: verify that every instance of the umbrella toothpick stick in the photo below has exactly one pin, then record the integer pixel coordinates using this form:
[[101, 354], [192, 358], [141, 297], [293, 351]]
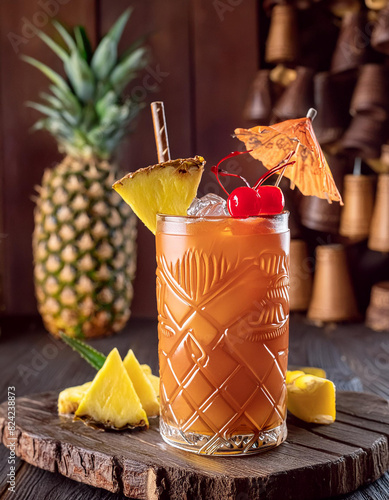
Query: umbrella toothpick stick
[[311, 114], [357, 170], [286, 160]]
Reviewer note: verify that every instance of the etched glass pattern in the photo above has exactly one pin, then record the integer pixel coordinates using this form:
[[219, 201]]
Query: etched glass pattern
[[223, 304]]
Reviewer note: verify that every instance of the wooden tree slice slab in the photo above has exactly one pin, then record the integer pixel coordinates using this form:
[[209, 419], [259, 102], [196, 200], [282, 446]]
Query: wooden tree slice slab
[[315, 461]]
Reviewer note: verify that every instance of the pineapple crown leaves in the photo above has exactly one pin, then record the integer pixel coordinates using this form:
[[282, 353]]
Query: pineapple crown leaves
[[85, 112], [91, 355]]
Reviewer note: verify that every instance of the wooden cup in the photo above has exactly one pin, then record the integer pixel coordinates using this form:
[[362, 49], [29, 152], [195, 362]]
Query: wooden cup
[[298, 96], [376, 4], [332, 116], [377, 314], [341, 8], [318, 214], [268, 5], [379, 232], [259, 102], [358, 197], [281, 45], [350, 51], [380, 34], [300, 276], [333, 296], [371, 93], [385, 156], [364, 137]]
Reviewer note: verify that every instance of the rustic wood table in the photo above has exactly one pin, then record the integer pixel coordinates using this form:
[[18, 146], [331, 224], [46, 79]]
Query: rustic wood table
[[354, 357]]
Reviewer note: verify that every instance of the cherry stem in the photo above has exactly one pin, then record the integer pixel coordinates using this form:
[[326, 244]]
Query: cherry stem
[[283, 163], [218, 171], [268, 174], [224, 173]]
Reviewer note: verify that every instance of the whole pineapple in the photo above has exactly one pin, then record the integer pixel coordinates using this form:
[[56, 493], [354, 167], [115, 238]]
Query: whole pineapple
[[84, 237]]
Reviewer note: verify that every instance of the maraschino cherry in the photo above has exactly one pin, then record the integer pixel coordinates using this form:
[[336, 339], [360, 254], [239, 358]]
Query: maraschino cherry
[[273, 201], [272, 197], [246, 201]]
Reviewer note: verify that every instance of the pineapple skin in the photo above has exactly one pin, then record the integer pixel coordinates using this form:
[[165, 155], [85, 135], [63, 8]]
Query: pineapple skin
[[84, 247]]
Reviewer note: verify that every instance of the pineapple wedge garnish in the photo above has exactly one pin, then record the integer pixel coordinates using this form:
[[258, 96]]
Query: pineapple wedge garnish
[[153, 378], [292, 375], [311, 370], [311, 398], [307, 370], [146, 369], [154, 382], [142, 384], [69, 399], [111, 401], [165, 188]]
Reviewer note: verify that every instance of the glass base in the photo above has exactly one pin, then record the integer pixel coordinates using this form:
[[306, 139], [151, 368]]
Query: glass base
[[244, 444]]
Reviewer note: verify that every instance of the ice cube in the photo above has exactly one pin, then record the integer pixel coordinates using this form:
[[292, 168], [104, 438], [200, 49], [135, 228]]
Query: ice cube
[[210, 205]]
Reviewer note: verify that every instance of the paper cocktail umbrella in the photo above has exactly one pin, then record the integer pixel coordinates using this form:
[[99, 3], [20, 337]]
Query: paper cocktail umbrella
[[311, 173]]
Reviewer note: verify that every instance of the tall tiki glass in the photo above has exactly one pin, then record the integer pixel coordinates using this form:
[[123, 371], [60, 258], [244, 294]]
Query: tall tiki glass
[[223, 322]]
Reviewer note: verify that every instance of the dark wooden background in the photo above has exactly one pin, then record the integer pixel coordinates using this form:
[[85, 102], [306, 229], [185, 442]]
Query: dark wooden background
[[206, 54]]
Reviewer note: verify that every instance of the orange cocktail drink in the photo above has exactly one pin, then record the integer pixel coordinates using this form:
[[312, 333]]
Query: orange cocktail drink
[[223, 314]]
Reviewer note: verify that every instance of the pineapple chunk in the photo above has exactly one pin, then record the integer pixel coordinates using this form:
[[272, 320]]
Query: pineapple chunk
[[146, 369], [142, 384], [311, 370], [153, 378], [292, 375], [165, 188], [312, 399], [69, 399], [111, 401], [154, 382]]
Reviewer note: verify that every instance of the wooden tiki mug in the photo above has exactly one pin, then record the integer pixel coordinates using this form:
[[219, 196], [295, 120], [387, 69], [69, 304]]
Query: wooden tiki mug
[[259, 102], [281, 45], [333, 296], [379, 231], [318, 214], [358, 197], [352, 46], [377, 314], [380, 34], [297, 97], [364, 137], [371, 94]]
